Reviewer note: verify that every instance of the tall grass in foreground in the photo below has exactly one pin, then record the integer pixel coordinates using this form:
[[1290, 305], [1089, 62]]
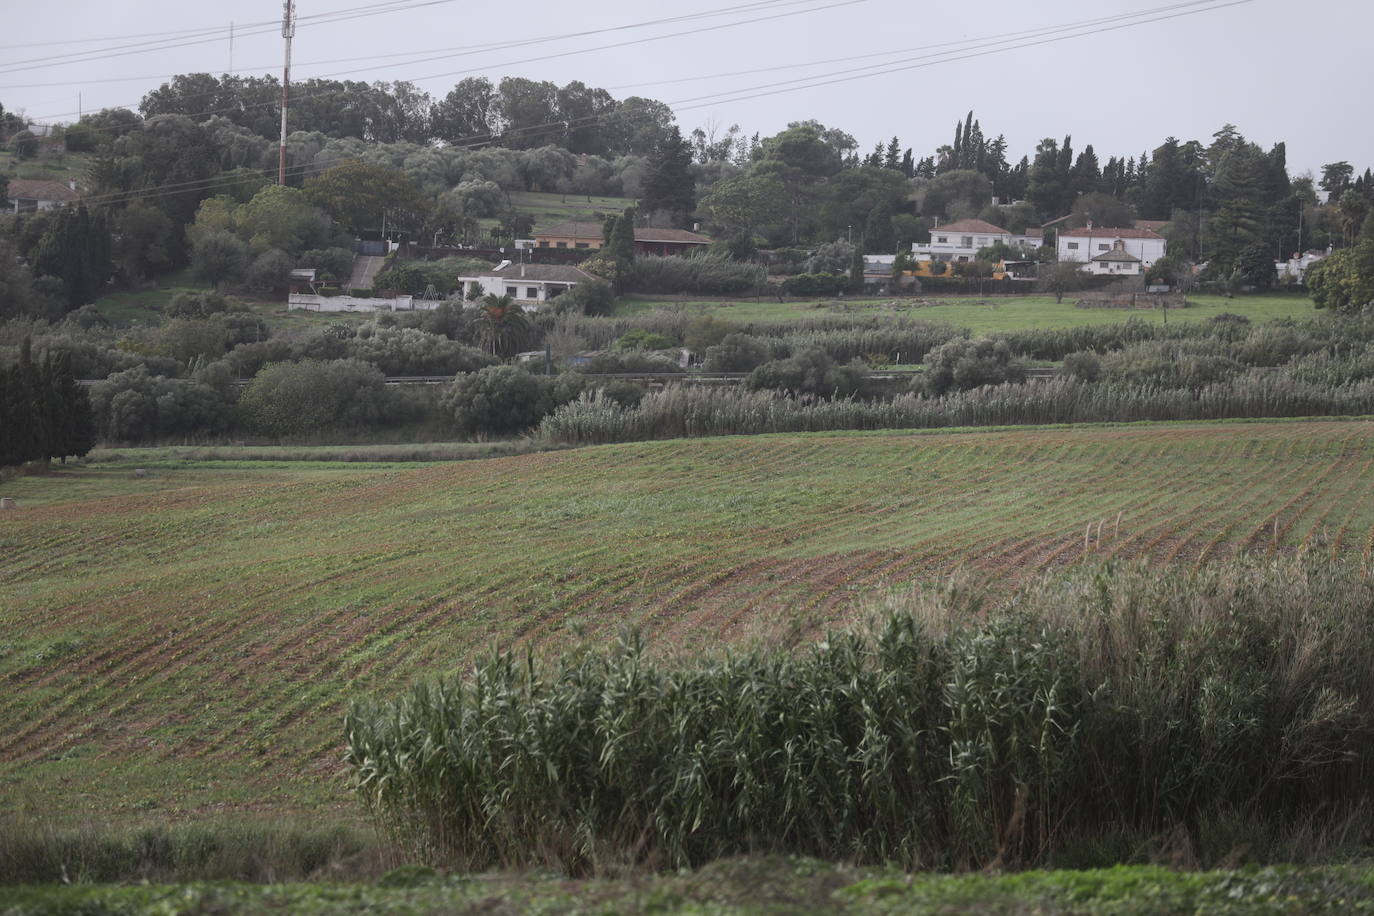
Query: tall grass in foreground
[[678, 411], [1111, 704]]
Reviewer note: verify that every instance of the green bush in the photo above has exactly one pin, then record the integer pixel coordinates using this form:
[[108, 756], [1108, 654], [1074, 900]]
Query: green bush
[[963, 364], [948, 734], [498, 400], [703, 274], [820, 284], [736, 353], [809, 372], [591, 297], [640, 339], [289, 398]]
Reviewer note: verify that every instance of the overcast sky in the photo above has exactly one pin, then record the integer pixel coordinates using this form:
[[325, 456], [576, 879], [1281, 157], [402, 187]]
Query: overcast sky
[[1280, 70]]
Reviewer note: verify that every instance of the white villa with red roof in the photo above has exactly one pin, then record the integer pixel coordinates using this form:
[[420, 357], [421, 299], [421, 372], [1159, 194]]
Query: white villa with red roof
[[1086, 244], [959, 241], [27, 195]]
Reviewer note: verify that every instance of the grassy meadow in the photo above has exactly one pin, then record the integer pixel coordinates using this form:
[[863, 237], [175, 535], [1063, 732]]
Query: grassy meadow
[[181, 644], [982, 315]]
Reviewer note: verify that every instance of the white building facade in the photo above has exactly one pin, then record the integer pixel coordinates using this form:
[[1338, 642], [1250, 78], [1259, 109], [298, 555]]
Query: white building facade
[[528, 284], [959, 241], [1082, 245]]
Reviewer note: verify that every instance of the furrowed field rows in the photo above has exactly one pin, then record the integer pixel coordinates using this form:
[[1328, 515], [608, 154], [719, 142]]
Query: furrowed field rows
[[211, 625]]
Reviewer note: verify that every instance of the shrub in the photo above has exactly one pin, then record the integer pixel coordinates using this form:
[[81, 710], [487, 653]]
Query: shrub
[[136, 406], [809, 372], [963, 364], [195, 305], [498, 399], [704, 274], [1085, 365], [819, 284], [303, 397], [592, 297], [736, 353], [410, 351], [641, 339], [269, 273]]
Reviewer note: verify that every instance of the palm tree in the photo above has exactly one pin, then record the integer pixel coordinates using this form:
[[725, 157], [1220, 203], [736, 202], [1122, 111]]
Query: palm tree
[[500, 325]]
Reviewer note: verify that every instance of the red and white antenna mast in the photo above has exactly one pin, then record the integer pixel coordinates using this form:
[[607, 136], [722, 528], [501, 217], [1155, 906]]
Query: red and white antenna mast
[[288, 31]]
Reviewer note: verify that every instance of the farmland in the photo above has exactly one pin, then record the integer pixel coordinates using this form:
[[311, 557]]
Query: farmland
[[182, 643], [982, 315]]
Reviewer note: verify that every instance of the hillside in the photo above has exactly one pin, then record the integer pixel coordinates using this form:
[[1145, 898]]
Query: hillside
[[185, 641]]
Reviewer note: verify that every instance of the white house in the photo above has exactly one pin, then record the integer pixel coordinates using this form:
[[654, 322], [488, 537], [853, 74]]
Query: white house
[[1084, 244], [528, 284], [1116, 262], [27, 195], [1030, 239], [959, 241], [1294, 270]]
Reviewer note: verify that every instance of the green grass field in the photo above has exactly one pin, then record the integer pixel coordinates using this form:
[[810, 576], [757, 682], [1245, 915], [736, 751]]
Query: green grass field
[[771, 885], [981, 315], [551, 209], [48, 165], [181, 644]]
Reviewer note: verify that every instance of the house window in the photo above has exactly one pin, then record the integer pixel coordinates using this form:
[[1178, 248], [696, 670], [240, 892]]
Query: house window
[[554, 291], [562, 244], [1102, 247], [1073, 246], [531, 292], [963, 257], [543, 243], [966, 241], [512, 291], [942, 239], [583, 245]]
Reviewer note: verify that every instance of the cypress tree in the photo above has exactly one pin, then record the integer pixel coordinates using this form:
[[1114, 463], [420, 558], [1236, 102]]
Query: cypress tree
[[856, 269], [622, 241]]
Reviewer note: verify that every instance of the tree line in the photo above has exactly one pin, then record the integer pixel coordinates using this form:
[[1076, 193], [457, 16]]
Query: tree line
[[44, 413]]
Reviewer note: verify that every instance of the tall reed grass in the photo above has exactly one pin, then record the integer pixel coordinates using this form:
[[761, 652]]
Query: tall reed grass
[[679, 411], [948, 733]]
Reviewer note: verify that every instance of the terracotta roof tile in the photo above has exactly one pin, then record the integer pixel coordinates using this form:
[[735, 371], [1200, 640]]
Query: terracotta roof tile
[[35, 189], [1104, 232]]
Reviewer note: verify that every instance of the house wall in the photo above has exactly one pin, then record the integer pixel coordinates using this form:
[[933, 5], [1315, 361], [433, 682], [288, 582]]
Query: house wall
[[29, 205], [1117, 268], [311, 303], [957, 246], [544, 290], [567, 241], [1088, 247]]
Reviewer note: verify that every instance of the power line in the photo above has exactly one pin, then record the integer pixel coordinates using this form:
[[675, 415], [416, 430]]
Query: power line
[[745, 7], [729, 96]]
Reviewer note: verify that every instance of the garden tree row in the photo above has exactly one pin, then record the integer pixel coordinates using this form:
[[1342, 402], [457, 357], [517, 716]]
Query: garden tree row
[[516, 112], [44, 413]]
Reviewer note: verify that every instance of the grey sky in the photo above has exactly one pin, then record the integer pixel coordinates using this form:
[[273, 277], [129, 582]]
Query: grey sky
[[1277, 69]]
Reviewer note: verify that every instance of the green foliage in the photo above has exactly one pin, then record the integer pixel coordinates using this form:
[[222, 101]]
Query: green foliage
[[822, 284], [810, 372], [137, 406], [498, 400], [949, 735], [592, 297], [219, 258], [964, 364], [290, 398], [364, 196], [44, 413], [500, 326], [1343, 281], [736, 353], [641, 339], [24, 145], [707, 274], [75, 248]]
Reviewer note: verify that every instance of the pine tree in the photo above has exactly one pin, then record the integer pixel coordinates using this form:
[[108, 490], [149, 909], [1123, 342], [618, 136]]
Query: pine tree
[[892, 158], [668, 184]]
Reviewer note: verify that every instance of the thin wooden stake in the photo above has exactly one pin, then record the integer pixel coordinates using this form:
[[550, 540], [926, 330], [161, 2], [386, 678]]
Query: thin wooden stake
[[1087, 533], [1117, 533]]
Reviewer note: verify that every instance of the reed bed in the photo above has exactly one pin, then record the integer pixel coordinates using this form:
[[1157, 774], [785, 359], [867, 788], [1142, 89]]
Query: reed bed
[[949, 732], [679, 411]]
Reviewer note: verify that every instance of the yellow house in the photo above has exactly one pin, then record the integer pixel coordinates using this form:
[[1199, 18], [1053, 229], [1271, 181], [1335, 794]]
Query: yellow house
[[647, 240]]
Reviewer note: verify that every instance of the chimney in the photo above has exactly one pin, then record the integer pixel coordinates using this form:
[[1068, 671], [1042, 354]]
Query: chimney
[[522, 269], [1090, 225], [71, 183]]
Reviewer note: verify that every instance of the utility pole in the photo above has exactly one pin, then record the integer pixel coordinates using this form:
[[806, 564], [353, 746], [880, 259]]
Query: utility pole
[[288, 31]]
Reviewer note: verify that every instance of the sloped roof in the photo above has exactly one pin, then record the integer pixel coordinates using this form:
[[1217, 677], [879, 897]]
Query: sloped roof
[[972, 225], [37, 189], [1034, 233], [1117, 254], [549, 273], [670, 235], [1104, 232]]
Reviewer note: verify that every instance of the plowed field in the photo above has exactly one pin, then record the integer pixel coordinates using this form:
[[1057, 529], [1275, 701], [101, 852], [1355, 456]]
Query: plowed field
[[185, 642]]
